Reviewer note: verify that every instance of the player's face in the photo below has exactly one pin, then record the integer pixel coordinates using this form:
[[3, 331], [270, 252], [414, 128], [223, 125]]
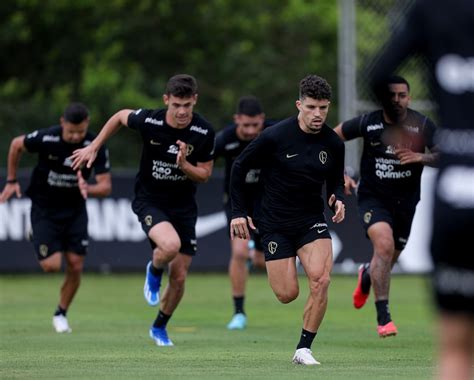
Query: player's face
[[74, 133], [180, 110], [313, 113], [248, 127], [399, 98]]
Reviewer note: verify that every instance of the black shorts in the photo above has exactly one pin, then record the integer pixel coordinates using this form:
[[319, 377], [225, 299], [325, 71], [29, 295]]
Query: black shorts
[[281, 245], [59, 230], [397, 213], [183, 219], [453, 258], [255, 235]]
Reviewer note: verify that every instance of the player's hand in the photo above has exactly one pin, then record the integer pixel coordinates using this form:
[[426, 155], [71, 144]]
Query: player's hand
[[9, 190], [83, 156], [339, 208], [82, 184], [407, 156], [239, 228], [349, 184], [181, 157]]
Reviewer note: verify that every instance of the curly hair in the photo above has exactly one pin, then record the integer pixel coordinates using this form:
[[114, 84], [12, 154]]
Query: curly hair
[[315, 87]]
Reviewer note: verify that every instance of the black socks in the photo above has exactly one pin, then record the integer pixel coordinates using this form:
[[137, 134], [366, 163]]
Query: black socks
[[383, 312], [239, 305], [161, 320], [306, 339]]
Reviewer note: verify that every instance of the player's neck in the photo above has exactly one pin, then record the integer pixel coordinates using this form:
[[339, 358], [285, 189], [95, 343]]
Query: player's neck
[[393, 120], [173, 123]]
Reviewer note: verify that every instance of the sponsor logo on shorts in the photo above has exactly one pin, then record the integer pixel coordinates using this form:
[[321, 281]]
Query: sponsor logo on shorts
[[194, 244], [148, 220], [272, 247], [367, 217], [43, 250], [323, 157]]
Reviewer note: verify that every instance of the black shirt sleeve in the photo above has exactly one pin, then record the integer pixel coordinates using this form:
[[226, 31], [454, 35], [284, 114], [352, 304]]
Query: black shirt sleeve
[[407, 40], [252, 157], [335, 182], [207, 152], [429, 132], [351, 129], [102, 163], [33, 141], [220, 144], [136, 119]]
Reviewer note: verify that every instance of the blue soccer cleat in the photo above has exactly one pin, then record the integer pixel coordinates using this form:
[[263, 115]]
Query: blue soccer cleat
[[238, 322], [151, 289], [160, 336]]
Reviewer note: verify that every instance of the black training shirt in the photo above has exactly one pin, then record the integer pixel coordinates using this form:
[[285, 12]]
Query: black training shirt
[[54, 182], [159, 176], [380, 169], [294, 167]]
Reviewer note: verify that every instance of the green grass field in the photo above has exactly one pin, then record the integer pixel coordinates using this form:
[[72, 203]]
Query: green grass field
[[110, 322]]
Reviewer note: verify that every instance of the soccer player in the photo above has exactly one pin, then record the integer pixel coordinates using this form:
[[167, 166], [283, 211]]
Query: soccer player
[[392, 161], [446, 42], [297, 157], [178, 148], [58, 193], [249, 121]]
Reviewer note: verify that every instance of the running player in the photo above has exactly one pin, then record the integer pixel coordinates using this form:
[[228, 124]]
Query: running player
[[394, 138], [446, 42], [178, 148], [249, 121], [297, 156], [58, 193]]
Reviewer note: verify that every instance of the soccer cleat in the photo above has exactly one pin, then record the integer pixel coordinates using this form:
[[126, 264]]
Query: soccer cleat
[[160, 336], [359, 298], [304, 356], [60, 324], [387, 330], [151, 289], [238, 322]]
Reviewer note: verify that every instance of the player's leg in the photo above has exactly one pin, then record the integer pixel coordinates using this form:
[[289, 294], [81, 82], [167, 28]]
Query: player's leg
[[316, 259], [74, 238], [172, 295], [238, 273], [185, 224], [456, 337], [283, 279], [381, 236], [257, 254]]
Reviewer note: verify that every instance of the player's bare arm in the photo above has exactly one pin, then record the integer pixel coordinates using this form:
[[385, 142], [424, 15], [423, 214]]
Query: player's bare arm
[[88, 154], [17, 147], [407, 156], [198, 173], [102, 187]]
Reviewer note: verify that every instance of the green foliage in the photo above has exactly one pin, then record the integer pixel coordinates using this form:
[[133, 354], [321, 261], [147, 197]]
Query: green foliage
[[120, 53]]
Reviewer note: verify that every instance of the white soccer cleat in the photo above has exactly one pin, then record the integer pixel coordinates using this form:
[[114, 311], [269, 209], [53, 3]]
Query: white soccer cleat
[[304, 356], [60, 324]]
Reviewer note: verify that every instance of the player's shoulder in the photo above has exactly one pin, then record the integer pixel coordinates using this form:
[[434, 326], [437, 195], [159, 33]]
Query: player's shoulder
[[281, 128], [228, 132], [200, 125], [417, 120], [332, 136], [48, 134]]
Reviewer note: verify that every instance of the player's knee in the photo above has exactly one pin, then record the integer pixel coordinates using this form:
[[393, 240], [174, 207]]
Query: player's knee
[[287, 295], [170, 247], [75, 267], [50, 267], [385, 248], [178, 280], [240, 254], [320, 284]]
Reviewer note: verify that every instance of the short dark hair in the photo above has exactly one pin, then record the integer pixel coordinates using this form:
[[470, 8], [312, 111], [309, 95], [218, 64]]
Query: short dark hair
[[249, 105], [181, 86], [315, 87], [76, 113], [396, 79]]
